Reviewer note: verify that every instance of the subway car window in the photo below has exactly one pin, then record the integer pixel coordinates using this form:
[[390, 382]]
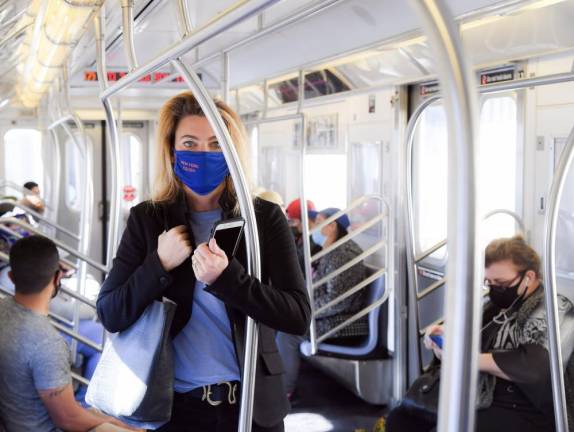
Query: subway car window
[[133, 168], [499, 162], [430, 173], [23, 156], [498, 167], [74, 174]]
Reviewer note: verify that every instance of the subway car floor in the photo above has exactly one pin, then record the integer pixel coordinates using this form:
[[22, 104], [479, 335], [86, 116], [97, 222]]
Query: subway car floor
[[323, 405]]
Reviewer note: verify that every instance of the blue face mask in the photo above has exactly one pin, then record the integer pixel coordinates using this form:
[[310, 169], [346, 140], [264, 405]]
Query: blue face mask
[[318, 238], [202, 172]]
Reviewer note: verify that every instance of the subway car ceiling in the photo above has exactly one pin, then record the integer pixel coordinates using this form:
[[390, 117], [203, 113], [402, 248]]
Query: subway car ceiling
[[344, 46]]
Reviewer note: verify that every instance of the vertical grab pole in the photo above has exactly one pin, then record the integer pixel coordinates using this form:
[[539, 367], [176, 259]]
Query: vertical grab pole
[[55, 198], [305, 215], [226, 72], [252, 237], [550, 291], [114, 209], [413, 281], [186, 26], [128, 33], [457, 402]]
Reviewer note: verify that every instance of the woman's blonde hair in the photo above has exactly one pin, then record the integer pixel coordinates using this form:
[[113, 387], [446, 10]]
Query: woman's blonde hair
[[166, 185], [515, 250]]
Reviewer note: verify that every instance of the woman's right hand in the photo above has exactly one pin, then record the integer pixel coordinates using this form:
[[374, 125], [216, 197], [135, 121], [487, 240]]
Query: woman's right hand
[[173, 247], [429, 343]]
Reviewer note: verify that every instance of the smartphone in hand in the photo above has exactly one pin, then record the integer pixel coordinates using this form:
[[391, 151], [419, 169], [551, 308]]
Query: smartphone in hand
[[227, 234], [437, 339]]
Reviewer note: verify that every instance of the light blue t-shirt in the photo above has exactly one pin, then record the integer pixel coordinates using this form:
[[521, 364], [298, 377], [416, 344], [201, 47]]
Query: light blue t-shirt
[[204, 351]]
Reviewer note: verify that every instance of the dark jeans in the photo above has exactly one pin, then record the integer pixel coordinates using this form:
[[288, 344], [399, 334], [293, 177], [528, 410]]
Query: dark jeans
[[192, 415], [493, 419]]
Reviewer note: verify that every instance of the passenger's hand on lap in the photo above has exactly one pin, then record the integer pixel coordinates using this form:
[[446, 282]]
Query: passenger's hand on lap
[[429, 343], [209, 261], [173, 247]]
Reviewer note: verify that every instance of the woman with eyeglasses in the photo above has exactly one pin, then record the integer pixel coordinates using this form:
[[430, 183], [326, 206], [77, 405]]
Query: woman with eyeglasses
[[514, 390]]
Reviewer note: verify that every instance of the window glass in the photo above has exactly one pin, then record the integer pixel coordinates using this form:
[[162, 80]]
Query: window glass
[[74, 174], [365, 169], [23, 156], [430, 179], [498, 165], [498, 172], [133, 167], [326, 180]]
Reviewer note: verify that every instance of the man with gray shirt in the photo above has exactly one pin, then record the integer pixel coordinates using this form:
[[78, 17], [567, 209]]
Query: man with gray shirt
[[36, 391]]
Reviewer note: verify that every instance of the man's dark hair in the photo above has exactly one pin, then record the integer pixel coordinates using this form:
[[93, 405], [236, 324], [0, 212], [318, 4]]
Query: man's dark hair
[[34, 261], [30, 185]]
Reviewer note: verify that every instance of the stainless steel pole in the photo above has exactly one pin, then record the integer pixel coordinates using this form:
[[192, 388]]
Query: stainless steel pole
[[459, 372], [251, 234], [128, 33], [550, 290], [225, 81], [115, 192], [185, 18], [99, 30], [230, 17]]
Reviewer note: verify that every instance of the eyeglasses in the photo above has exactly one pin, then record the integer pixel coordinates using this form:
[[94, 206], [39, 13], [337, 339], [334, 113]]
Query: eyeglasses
[[504, 284]]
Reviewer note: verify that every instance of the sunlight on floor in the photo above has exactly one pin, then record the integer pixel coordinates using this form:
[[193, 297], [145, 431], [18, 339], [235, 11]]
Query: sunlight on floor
[[307, 422]]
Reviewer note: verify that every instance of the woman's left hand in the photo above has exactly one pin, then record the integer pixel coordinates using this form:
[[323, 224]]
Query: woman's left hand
[[208, 262]]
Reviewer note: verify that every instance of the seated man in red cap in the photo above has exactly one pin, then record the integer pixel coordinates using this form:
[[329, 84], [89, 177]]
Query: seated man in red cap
[[294, 216]]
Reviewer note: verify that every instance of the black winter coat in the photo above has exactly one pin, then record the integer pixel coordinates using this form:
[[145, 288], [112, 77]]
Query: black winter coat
[[278, 302]]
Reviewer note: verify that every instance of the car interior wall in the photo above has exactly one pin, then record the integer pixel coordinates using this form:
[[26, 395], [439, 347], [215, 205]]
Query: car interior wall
[[551, 109], [365, 119], [549, 114]]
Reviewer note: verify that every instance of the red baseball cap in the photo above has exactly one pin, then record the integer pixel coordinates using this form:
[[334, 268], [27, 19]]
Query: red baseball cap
[[294, 209]]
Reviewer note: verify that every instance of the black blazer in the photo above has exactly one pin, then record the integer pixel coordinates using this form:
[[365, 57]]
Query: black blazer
[[278, 302]]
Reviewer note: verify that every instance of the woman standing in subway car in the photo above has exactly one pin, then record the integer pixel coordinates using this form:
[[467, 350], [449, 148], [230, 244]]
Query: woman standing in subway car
[[213, 292]]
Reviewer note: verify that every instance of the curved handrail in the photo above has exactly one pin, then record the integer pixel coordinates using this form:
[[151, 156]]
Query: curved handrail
[[251, 234], [354, 204], [4, 228], [517, 219], [64, 246], [42, 218], [4, 257], [11, 185], [457, 401], [550, 290]]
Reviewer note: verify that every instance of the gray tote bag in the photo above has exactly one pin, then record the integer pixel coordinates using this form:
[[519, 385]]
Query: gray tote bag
[[134, 378]]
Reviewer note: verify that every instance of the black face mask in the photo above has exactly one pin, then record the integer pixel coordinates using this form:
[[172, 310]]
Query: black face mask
[[504, 297]]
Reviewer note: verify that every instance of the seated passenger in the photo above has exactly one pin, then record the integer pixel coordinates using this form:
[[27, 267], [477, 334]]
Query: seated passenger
[[35, 381], [338, 285], [6, 238], [515, 391], [288, 344], [63, 306], [33, 199], [294, 217]]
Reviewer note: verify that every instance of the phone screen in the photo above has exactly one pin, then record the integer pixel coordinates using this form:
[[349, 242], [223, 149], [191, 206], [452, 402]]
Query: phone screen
[[437, 339], [228, 234]]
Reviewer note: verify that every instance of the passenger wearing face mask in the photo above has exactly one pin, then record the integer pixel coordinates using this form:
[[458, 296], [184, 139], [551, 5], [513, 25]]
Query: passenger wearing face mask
[[164, 253], [323, 294], [514, 388], [293, 212], [338, 285]]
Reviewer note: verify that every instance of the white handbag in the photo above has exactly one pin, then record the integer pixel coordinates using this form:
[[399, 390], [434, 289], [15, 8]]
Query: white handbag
[[134, 378]]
